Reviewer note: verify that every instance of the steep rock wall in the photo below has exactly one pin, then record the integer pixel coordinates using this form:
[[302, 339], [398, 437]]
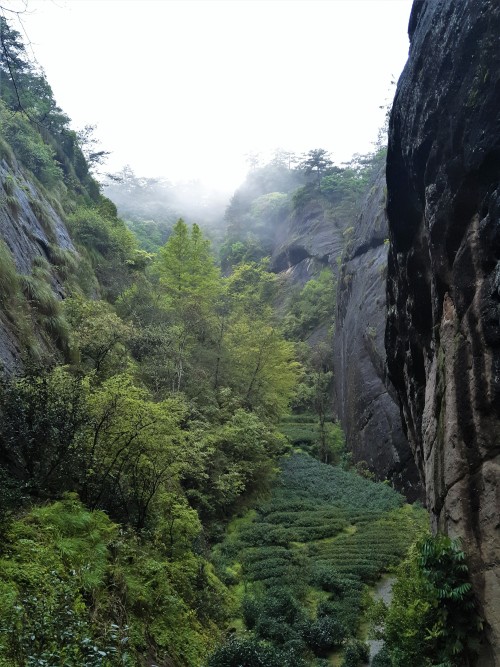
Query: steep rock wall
[[366, 401], [306, 241], [443, 330], [30, 228]]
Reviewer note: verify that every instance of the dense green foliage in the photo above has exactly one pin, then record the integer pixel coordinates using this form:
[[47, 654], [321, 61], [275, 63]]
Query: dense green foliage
[[311, 306], [433, 619], [75, 590], [299, 565]]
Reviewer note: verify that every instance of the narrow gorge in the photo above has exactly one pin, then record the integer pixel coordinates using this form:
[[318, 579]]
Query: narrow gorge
[[228, 421]]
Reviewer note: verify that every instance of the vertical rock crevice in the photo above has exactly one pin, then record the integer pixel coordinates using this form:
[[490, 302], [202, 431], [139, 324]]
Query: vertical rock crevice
[[365, 398]]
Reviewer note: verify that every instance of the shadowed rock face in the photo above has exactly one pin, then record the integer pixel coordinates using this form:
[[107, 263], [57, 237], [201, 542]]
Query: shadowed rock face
[[366, 401], [443, 330]]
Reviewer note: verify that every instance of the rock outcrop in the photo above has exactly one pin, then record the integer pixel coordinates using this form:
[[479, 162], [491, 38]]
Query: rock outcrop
[[30, 228], [366, 402], [307, 240], [443, 331]]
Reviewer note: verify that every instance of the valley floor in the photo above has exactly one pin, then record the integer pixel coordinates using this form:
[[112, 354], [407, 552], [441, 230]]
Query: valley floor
[[301, 563]]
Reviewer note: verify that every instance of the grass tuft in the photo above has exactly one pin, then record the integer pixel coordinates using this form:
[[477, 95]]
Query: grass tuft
[[44, 218], [9, 280]]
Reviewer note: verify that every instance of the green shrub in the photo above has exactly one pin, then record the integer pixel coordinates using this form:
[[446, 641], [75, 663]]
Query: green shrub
[[382, 659], [324, 634], [302, 197], [30, 148], [66, 575], [433, 618], [51, 557], [247, 652], [356, 654]]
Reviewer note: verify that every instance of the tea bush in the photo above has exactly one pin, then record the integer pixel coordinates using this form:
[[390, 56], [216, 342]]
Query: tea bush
[[307, 553]]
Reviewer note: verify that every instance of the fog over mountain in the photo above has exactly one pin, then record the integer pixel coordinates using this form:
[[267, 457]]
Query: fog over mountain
[[187, 90]]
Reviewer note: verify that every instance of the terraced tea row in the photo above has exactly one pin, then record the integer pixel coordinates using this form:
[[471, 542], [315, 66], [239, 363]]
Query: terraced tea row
[[301, 562]]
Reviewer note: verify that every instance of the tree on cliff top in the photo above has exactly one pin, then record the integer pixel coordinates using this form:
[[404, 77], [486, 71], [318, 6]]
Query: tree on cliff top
[[316, 161]]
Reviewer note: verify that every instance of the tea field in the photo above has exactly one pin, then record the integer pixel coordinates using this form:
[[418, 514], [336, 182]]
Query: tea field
[[300, 565]]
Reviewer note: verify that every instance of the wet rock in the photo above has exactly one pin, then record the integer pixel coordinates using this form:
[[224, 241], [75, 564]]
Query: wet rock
[[443, 330]]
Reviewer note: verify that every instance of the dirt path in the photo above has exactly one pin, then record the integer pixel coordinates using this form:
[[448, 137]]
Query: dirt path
[[382, 591]]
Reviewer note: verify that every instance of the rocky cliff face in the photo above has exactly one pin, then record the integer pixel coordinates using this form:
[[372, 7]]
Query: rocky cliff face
[[306, 241], [443, 331], [366, 401], [31, 228]]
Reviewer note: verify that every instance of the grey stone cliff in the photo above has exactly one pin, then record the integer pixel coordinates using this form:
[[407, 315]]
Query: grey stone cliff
[[443, 331], [30, 229], [366, 401]]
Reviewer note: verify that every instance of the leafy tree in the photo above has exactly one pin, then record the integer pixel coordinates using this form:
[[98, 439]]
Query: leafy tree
[[312, 306], [110, 246], [283, 158], [356, 654], [100, 335], [42, 419], [251, 289], [89, 146], [239, 458], [317, 162], [265, 370], [187, 272], [433, 619], [269, 209], [135, 449], [324, 634]]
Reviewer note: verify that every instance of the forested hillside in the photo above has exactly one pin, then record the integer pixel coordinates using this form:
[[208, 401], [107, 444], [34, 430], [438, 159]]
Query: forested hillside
[[150, 207], [175, 490]]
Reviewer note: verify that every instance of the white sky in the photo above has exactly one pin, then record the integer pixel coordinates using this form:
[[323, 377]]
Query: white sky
[[184, 89]]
